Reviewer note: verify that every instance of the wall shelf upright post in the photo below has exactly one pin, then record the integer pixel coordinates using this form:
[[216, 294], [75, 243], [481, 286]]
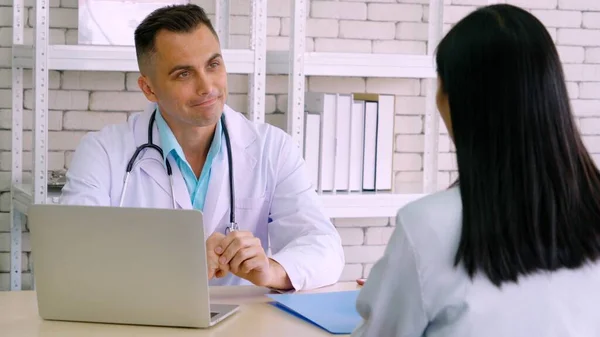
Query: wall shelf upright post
[[430, 153], [16, 218], [258, 77], [296, 76], [222, 22]]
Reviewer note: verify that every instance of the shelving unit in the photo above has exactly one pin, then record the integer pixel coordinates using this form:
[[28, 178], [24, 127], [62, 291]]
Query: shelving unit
[[256, 62], [302, 64]]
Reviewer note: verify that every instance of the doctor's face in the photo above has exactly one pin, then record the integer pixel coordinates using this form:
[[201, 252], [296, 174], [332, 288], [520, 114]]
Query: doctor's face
[[186, 76]]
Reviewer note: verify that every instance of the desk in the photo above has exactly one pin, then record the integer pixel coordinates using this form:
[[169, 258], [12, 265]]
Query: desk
[[19, 318]]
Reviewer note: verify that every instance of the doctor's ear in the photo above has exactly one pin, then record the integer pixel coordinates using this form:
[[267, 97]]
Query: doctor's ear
[[144, 84]]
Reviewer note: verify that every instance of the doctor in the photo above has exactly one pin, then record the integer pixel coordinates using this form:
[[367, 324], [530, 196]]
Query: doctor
[[212, 158]]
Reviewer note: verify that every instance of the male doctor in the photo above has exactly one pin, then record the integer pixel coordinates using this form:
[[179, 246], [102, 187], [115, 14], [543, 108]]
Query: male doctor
[[182, 72]]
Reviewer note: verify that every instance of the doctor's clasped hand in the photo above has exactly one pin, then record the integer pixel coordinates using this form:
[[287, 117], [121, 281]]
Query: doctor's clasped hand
[[212, 258], [243, 255]]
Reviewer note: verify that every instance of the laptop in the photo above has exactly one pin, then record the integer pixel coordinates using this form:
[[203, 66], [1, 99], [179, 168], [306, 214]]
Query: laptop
[[138, 266]]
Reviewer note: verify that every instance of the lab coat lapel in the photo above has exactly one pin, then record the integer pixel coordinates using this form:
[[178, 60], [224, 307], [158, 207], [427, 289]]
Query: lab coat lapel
[[214, 206], [217, 203], [182, 195], [151, 162]]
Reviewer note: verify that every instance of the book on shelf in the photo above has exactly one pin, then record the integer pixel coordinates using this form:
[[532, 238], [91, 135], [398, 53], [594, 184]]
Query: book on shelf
[[357, 144], [349, 141], [312, 146], [322, 105]]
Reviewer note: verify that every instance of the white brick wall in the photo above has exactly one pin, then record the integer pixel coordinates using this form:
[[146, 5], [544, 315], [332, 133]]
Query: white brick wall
[[395, 12], [591, 20], [592, 55], [84, 101], [558, 18], [571, 54], [368, 30], [412, 31], [578, 37], [580, 5], [544, 4], [399, 47], [338, 10]]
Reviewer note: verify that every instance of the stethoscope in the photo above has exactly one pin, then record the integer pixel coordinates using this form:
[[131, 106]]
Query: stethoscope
[[233, 226]]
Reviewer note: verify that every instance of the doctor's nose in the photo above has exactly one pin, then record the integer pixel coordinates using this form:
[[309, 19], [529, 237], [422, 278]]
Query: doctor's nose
[[204, 84]]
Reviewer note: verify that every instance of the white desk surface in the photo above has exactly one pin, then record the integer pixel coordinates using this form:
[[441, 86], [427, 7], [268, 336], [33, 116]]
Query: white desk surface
[[19, 318]]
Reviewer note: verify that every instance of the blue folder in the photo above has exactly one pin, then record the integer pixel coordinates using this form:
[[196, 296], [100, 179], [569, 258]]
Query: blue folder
[[334, 312]]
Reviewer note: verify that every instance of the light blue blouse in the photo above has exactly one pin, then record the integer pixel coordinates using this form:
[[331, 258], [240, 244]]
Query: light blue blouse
[[414, 290]]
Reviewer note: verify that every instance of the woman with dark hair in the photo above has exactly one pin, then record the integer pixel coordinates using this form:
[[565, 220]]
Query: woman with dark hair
[[510, 249]]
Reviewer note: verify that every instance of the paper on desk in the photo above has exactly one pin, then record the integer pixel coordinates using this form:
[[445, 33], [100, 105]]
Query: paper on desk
[[334, 312]]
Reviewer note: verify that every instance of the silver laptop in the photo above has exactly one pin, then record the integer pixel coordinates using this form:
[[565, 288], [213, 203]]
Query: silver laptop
[[137, 266]]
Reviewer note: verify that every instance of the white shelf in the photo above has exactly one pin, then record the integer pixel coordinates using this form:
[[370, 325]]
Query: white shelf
[[114, 58], [341, 205], [366, 205], [238, 61], [356, 64], [23, 197]]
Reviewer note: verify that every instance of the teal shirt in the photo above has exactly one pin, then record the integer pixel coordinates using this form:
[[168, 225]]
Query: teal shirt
[[196, 187]]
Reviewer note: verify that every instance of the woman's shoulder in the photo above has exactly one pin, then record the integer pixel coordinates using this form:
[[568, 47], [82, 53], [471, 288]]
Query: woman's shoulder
[[436, 208], [433, 223]]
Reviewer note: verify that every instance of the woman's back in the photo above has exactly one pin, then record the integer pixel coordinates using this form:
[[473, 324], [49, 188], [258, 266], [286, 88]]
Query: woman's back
[[416, 290], [513, 248]]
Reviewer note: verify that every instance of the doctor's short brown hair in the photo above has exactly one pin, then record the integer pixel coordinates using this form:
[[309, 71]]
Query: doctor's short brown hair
[[174, 18]]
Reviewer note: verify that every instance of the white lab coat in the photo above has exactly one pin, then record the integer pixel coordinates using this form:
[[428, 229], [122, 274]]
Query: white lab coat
[[414, 290], [269, 180]]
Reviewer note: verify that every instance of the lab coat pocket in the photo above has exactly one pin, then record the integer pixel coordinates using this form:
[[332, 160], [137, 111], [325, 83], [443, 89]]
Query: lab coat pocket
[[249, 203], [252, 214]]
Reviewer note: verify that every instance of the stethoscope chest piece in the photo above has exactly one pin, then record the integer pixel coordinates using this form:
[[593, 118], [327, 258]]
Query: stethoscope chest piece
[[231, 227]]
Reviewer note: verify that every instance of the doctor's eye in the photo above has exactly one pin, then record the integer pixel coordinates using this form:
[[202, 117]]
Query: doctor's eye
[[184, 74], [214, 64]]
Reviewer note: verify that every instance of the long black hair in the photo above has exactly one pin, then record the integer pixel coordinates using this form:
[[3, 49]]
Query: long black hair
[[530, 191]]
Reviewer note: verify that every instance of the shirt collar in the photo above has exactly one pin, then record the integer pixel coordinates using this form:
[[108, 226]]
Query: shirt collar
[[170, 145]]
